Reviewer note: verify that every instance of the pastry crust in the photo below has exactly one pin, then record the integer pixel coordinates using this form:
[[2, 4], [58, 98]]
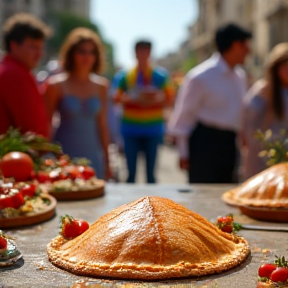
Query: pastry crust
[[152, 238], [266, 189]]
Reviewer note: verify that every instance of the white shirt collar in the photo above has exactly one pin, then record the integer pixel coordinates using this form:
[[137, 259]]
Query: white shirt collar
[[221, 63]]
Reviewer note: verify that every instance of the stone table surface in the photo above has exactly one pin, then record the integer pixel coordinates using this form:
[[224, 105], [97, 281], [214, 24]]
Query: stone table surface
[[34, 270]]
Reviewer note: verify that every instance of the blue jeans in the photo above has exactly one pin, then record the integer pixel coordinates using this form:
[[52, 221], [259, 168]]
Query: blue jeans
[[149, 146]]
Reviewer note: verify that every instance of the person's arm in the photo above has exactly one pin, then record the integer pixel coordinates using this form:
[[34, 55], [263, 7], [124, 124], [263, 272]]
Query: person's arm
[[103, 127], [185, 114], [52, 96], [121, 97]]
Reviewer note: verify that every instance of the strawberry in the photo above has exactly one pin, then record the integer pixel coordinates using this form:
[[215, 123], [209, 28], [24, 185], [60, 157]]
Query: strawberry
[[71, 228]]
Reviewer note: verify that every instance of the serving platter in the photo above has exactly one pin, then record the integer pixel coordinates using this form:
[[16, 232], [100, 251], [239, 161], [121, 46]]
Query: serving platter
[[33, 217], [257, 212], [265, 214], [83, 194]]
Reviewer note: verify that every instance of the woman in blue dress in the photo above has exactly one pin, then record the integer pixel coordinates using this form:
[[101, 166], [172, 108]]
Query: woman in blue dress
[[79, 95]]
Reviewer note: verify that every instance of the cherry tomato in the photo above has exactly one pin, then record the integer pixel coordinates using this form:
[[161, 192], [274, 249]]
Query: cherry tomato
[[63, 176], [83, 226], [279, 275], [18, 200], [225, 219], [54, 175], [227, 228], [17, 165], [33, 175], [74, 173], [43, 177], [29, 190], [6, 202], [87, 172], [3, 242], [72, 228], [266, 269]]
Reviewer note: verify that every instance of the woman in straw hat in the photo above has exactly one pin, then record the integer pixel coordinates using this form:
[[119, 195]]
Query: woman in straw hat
[[80, 97], [265, 107]]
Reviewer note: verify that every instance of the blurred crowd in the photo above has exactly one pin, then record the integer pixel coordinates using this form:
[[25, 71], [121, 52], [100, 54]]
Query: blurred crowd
[[214, 114]]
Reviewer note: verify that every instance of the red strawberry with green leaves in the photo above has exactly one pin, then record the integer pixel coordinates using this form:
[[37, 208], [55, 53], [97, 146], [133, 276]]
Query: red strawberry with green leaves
[[71, 228]]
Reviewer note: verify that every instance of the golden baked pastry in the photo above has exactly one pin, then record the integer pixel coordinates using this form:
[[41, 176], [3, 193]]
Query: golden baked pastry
[[151, 238], [266, 189]]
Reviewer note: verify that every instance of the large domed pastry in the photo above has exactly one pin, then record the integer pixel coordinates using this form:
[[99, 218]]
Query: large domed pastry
[[151, 238], [267, 189]]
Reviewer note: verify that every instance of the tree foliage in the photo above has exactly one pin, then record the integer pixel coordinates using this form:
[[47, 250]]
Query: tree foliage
[[63, 23]]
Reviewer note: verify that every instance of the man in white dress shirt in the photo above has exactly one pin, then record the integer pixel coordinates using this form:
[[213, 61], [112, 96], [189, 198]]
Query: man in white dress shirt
[[207, 113]]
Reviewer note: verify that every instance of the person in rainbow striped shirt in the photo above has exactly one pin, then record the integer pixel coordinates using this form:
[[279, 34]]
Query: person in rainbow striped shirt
[[143, 91]]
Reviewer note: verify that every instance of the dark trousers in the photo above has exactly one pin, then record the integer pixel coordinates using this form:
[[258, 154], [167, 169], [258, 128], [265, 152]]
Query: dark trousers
[[149, 146], [212, 155]]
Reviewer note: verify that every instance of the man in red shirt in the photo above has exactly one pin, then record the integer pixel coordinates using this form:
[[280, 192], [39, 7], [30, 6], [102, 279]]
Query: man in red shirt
[[21, 105]]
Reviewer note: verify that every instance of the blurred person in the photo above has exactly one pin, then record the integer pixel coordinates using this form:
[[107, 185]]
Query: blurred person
[[143, 91], [80, 97], [265, 107], [207, 113], [21, 104], [115, 112]]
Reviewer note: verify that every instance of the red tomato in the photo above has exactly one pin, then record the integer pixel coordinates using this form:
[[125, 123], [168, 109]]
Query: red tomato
[[43, 177], [83, 226], [279, 275], [227, 228], [33, 175], [63, 176], [17, 165], [74, 173], [29, 190], [54, 175], [266, 269], [87, 172], [6, 202], [71, 228], [18, 200], [225, 219], [3, 242]]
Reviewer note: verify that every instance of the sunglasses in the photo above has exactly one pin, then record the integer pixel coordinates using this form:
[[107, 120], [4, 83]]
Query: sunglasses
[[85, 52]]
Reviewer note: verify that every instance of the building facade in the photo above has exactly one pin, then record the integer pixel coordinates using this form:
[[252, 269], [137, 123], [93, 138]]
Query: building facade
[[42, 9], [264, 18]]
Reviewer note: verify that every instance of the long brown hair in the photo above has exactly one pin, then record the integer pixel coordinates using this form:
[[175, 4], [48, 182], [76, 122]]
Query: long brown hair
[[276, 58], [75, 38]]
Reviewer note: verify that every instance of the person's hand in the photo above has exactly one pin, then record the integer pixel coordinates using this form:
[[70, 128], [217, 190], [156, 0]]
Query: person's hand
[[184, 163], [149, 97]]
